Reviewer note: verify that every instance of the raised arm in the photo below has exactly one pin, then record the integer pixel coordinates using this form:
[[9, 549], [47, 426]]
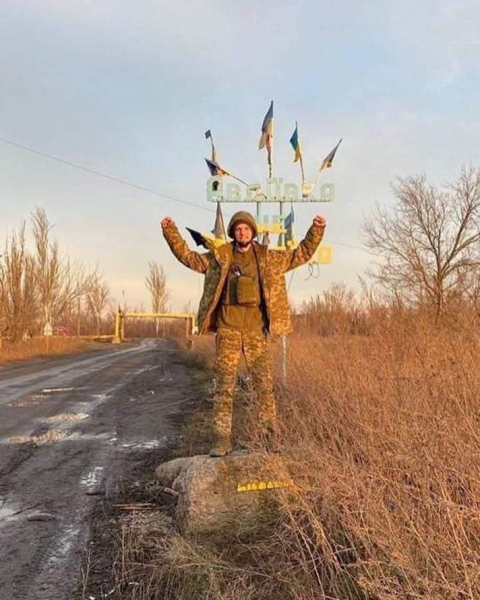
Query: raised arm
[[194, 260], [306, 248]]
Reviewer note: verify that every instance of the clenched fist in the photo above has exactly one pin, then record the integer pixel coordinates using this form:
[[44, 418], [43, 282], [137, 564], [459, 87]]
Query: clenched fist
[[167, 222], [319, 221]]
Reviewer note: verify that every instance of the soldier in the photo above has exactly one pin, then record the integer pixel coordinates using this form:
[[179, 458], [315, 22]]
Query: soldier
[[244, 299]]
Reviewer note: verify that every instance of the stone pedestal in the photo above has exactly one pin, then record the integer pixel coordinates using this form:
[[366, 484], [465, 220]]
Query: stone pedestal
[[214, 493]]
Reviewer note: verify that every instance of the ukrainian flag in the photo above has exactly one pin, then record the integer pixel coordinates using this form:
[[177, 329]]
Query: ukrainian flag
[[328, 160], [201, 240], [296, 144], [267, 133], [215, 169]]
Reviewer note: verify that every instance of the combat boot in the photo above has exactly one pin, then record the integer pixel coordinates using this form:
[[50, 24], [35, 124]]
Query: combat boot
[[221, 447]]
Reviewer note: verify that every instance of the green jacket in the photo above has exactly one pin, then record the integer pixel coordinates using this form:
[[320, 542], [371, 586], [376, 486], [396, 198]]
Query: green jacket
[[272, 264]]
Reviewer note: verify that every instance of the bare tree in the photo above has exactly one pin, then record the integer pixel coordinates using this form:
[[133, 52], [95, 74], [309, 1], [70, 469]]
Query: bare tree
[[429, 242], [59, 283], [17, 288], [156, 283], [98, 297]]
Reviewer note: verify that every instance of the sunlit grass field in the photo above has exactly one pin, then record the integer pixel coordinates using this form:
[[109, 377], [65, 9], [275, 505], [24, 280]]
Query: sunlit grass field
[[40, 347], [380, 430]]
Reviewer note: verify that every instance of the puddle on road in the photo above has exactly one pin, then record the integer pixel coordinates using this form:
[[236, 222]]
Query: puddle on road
[[63, 546], [92, 478], [144, 444], [67, 418], [47, 438], [76, 436], [24, 403], [63, 421], [66, 542], [100, 396], [52, 390], [8, 512], [31, 400]]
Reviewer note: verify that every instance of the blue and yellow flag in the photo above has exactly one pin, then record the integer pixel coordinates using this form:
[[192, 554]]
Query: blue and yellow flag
[[290, 219], [198, 238], [204, 240], [215, 169], [328, 160], [289, 226], [296, 144], [267, 133]]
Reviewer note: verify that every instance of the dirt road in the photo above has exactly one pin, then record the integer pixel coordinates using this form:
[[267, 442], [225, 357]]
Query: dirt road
[[69, 429]]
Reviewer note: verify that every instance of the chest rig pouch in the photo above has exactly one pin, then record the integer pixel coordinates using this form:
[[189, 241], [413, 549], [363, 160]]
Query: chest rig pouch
[[248, 292], [242, 288]]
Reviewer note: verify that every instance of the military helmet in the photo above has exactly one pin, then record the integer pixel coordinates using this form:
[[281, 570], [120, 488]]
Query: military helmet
[[242, 216]]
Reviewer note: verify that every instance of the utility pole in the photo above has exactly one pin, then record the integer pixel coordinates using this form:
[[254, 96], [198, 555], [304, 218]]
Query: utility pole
[[78, 317]]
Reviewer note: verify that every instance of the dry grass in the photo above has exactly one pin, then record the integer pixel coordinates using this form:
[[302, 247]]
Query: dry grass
[[37, 347], [389, 480], [383, 440], [155, 561]]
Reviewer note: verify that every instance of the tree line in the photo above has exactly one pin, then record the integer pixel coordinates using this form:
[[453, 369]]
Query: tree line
[[425, 262], [425, 255], [427, 245], [40, 286]]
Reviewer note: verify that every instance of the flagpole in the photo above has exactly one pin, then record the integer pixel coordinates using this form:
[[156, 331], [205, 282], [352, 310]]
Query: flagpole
[[223, 223], [270, 150], [213, 146], [221, 172], [270, 154], [327, 163], [238, 179], [266, 140], [317, 178], [301, 168]]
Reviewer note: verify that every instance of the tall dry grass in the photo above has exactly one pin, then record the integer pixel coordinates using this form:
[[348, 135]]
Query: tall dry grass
[[37, 347], [381, 435], [386, 446]]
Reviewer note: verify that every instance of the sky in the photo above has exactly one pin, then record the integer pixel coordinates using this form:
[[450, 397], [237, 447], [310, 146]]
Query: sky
[[128, 89]]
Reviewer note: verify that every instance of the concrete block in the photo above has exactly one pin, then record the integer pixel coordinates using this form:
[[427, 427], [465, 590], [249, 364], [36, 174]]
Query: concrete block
[[225, 491]]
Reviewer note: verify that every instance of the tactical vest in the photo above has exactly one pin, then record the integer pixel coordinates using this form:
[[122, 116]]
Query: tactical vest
[[241, 298]]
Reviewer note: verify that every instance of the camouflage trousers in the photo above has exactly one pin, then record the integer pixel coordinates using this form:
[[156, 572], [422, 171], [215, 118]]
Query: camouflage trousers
[[230, 344]]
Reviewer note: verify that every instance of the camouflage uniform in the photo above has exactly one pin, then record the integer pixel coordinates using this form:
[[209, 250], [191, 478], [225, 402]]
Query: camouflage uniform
[[273, 264], [231, 342], [242, 330]]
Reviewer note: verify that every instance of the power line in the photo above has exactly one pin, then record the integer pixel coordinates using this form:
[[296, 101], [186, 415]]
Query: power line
[[110, 177], [136, 186]]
